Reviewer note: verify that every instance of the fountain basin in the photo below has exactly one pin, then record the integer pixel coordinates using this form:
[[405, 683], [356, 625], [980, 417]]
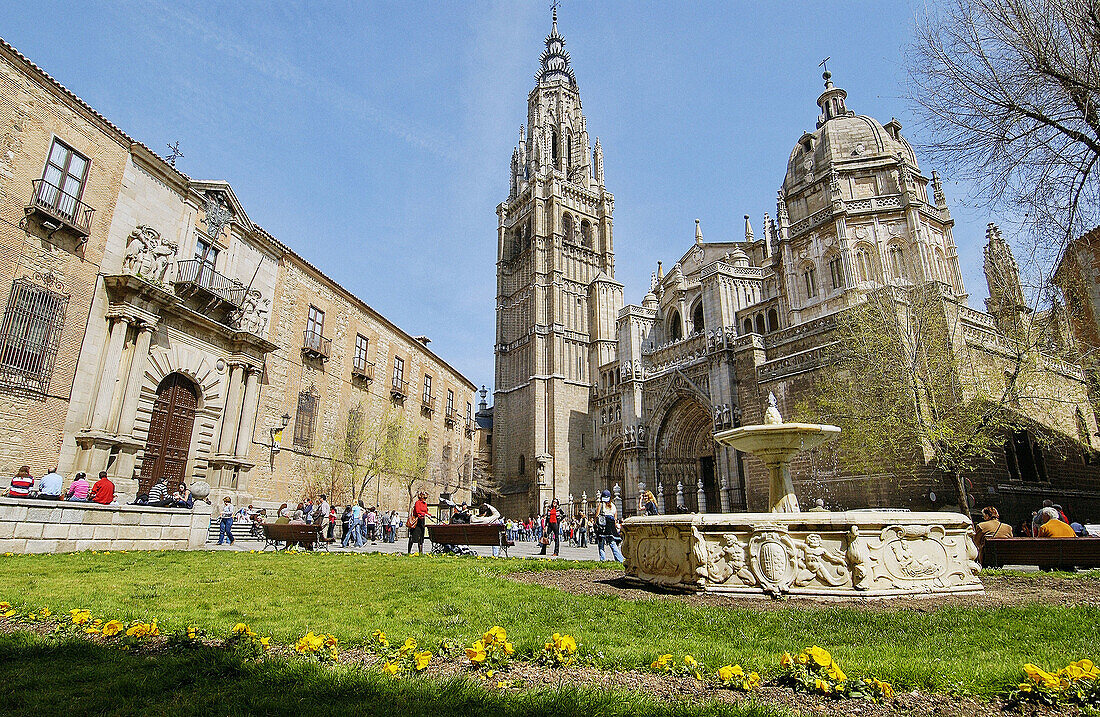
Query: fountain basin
[[841, 555]]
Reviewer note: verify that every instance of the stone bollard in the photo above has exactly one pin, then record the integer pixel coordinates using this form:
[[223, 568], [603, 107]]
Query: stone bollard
[[618, 495], [660, 497], [679, 495]]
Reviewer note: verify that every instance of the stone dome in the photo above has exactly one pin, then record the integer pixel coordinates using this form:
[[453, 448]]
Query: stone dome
[[738, 257], [842, 136]]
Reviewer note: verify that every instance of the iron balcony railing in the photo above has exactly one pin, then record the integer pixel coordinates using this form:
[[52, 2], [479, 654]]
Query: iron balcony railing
[[451, 416], [427, 403], [316, 344], [199, 274], [62, 206], [399, 388], [363, 370]]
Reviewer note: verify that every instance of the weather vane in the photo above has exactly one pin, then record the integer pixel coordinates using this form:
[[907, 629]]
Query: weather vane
[[176, 153], [554, 5], [822, 63]]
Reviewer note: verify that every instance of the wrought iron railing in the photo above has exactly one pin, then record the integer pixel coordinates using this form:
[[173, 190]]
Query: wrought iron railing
[[399, 388], [51, 200], [316, 344], [363, 370], [199, 274], [451, 416], [427, 402]]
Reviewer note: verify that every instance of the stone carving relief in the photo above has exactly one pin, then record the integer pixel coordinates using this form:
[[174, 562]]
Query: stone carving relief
[[725, 560], [148, 255], [913, 552], [252, 316], [774, 559], [661, 556], [814, 560], [859, 559]]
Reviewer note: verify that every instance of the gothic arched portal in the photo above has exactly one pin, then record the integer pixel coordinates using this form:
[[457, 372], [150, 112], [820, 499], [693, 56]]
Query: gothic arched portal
[[685, 454]]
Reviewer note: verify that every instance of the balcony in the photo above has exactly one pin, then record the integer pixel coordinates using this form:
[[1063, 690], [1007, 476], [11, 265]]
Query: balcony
[[198, 276], [316, 345], [399, 389], [363, 371], [427, 403], [451, 417], [56, 206], [469, 428]]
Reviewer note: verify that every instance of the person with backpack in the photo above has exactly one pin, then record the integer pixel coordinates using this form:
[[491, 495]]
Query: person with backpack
[[607, 527]]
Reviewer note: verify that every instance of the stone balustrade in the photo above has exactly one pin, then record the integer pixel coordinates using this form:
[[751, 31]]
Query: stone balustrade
[[39, 526]]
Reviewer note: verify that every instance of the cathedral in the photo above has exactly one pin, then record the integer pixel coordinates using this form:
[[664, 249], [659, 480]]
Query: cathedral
[[592, 394]]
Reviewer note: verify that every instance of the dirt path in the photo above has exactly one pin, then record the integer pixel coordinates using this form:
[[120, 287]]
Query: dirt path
[[1000, 591]]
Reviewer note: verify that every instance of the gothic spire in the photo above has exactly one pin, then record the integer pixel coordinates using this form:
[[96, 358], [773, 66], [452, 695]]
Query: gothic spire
[[554, 60]]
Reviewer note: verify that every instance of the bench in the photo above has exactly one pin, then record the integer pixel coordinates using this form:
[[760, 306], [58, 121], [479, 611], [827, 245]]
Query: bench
[[290, 534], [491, 534], [1047, 553]]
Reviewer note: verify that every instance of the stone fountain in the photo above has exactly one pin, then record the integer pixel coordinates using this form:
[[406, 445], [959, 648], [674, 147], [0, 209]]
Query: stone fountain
[[851, 554]]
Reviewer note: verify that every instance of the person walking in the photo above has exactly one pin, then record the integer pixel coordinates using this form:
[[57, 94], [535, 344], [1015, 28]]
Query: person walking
[[225, 528], [607, 528], [647, 503], [418, 519], [582, 530], [552, 519]]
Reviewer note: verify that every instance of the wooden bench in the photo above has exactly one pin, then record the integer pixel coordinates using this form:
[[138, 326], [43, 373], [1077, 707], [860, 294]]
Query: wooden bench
[[307, 536], [1047, 553], [491, 534]]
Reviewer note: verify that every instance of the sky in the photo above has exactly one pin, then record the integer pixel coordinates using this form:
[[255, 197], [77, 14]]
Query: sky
[[374, 138]]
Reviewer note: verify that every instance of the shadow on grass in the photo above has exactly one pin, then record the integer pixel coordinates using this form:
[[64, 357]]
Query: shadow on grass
[[46, 676]]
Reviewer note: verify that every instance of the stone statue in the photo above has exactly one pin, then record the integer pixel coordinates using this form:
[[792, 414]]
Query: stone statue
[[147, 254], [641, 433], [252, 316], [813, 563], [859, 559], [726, 560]]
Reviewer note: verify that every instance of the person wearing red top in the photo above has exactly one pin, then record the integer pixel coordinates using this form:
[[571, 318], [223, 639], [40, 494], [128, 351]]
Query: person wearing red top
[[103, 491], [551, 527], [418, 516]]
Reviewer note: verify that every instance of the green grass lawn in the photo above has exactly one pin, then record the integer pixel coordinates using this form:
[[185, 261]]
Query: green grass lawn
[[41, 676], [972, 650]]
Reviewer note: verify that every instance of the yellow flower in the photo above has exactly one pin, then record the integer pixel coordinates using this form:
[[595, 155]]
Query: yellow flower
[[422, 659], [409, 646], [786, 660], [380, 638], [690, 662], [91, 630], [662, 662], [390, 668], [752, 681], [309, 643], [1040, 676], [112, 628], [489, 673], [241, 629], [820, 656], [476, 652], [9, 613], [496, 634], [330, 641], [822, 685], [508, 649], [5, 606], [80, 617], [46, 613], [265, 642], [835, 672], [726, 673]]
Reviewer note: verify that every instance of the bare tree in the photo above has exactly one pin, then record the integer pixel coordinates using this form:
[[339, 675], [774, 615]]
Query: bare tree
[[1009, 92]]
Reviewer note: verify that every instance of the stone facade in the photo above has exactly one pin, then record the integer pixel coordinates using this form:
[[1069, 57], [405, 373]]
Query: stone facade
[[732, 321], [186, 328]]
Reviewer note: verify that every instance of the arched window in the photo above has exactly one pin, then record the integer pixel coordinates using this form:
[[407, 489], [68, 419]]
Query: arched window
[[586, 233], [568, 149], [773, 320], [567, 226], [809, 281], [522, 465], [554, 149], [748, 326], [675, 327], [897, 261], [863, 264], [697, 318], [760, 324]]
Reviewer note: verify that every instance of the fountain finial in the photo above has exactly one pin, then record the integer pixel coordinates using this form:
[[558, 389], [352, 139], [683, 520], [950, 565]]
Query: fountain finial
[[771, 416]]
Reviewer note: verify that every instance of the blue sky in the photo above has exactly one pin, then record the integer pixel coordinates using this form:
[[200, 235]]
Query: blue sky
[[374, 138]]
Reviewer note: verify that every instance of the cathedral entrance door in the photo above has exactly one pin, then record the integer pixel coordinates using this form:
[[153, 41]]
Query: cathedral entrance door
[[170, 427], [710, 484]]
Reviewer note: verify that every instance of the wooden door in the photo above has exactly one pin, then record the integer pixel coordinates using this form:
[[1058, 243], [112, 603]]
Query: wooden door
[[170, 427]]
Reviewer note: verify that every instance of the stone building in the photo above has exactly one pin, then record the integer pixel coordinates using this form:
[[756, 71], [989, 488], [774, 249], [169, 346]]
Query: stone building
[[154, 331], [734, 320]]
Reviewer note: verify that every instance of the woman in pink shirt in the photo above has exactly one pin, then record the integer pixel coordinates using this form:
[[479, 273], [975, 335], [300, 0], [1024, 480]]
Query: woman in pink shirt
[[78, 490]]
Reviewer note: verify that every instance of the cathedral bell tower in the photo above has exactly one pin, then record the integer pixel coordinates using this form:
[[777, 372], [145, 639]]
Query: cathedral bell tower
[[557, 300]]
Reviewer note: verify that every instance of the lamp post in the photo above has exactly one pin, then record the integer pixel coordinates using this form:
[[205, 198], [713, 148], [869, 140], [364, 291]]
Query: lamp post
[[276, 434]]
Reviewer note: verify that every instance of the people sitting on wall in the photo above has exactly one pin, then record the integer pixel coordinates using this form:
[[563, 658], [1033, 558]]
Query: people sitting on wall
[[78, 489], [159, 496], [103, 492], [1052, 526], [50, 486], [819, 506], [182, 498], [21, 483]]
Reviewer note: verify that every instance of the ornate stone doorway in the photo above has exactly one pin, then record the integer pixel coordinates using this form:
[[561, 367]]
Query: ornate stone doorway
[[685, 454], [170, 428]]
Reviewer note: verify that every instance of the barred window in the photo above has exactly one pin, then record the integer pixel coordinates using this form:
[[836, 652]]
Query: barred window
[[427, 388], [304, 419], [30, 335]]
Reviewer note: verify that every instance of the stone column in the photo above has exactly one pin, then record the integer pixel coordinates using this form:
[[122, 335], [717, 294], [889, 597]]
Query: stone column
[[248, 412], [109, 379], [128, 414], [231, 416]]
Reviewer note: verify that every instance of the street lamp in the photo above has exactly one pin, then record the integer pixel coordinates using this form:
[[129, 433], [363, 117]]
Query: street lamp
[[277, 435]]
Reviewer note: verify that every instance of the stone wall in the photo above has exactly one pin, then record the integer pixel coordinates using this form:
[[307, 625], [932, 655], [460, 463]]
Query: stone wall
[[38, 526]]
